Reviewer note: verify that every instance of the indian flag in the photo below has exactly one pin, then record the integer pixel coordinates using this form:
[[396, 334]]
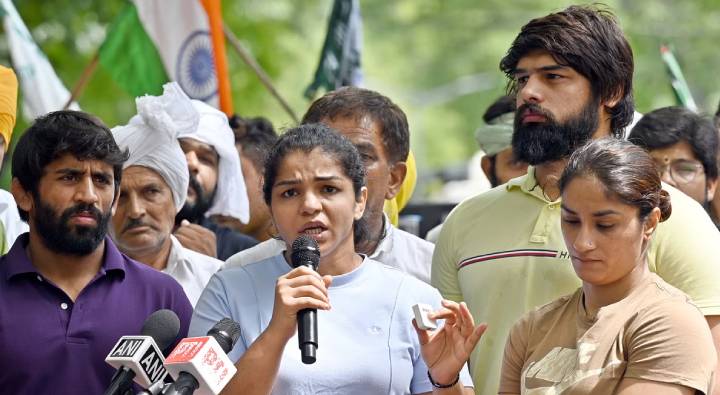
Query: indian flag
[[155, 41]]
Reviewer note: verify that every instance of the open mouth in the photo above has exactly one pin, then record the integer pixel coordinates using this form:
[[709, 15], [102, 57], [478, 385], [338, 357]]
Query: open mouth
[[314, 228], [314, 231]]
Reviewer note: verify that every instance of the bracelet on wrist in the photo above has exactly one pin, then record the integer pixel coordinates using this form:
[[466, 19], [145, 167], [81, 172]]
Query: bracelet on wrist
[[438, 385]]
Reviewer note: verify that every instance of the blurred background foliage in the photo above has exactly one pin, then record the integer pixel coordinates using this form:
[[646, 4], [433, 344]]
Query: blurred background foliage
[[438, 59]]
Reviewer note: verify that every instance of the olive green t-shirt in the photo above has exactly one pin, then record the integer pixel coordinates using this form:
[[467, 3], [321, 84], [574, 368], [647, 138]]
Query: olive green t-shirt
[[655, 334]]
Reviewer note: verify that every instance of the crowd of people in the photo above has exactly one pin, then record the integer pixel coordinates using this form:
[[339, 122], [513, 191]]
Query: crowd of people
[[588, 268]]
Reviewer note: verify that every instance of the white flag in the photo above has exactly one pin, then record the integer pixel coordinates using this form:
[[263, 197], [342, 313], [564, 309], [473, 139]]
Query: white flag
[[42, 90]]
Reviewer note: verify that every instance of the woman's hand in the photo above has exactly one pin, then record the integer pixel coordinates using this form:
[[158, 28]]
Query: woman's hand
[[301, 288], [446, 350]]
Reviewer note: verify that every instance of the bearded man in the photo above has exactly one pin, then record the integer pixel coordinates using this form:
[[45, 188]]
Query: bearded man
[[67, 292], [502, 252], [216, 187]]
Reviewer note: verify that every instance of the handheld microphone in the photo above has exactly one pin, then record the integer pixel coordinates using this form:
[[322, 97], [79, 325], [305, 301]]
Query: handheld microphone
[[201, 363], [305, 252], [139, 358]]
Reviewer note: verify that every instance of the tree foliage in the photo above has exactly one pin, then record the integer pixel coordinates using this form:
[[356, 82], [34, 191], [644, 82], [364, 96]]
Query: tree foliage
[[438, 59]]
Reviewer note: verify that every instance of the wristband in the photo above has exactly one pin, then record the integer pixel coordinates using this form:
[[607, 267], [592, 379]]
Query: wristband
[[437, 385]]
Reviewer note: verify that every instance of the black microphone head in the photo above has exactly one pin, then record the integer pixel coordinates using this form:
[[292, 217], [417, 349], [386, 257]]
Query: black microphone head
[[305, 250], [226, 332], [163, 326]]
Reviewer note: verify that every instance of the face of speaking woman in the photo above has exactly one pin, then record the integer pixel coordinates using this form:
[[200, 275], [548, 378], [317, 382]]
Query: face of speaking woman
[[312, 195]]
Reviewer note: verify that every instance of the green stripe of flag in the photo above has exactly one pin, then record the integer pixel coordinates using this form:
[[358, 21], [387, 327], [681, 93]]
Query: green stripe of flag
[[679, 85], [130, 56]]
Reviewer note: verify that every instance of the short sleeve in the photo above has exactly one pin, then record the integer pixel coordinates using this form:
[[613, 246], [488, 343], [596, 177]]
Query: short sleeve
[[671, 343], [211, 308], [684, 252], [514, 357], [444, 270]]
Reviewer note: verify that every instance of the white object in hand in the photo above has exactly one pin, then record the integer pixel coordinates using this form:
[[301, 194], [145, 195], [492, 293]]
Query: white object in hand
[[422, 320]]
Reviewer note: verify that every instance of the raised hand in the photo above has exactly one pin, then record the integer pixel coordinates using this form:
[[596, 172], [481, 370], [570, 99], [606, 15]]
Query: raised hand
[[446, 349]]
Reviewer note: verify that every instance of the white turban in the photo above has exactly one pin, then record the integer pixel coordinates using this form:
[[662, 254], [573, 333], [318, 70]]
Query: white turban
[[230, 194], [151, 137]]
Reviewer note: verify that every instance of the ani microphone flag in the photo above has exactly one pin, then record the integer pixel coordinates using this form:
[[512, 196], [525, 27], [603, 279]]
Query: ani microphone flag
[[156, 41], [42, 90], [340, 58]]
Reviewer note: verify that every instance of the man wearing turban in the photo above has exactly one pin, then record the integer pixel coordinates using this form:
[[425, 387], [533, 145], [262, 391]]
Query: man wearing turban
[[217, 187], [154, 188]]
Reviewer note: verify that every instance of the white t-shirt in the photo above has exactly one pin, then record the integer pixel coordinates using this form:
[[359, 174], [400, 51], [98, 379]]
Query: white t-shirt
[[367, 344]]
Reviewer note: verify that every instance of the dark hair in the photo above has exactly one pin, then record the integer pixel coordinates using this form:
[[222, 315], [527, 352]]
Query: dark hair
[[588, 39], [625, 170], [503, 105], [356, 103], [255, 136], [59, 133], [667, 126], [308, 137]]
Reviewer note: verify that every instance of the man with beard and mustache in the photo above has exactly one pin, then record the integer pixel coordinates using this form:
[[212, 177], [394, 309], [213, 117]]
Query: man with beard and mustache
[[502, 252], [378, 128], [67, 293], [217, 187], [153, 188]]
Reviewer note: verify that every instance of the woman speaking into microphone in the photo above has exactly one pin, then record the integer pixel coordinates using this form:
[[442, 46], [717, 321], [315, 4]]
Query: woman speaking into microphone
[[368, 342]]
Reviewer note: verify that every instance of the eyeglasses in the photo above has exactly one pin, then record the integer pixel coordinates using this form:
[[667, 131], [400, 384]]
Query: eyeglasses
[[681, 171]]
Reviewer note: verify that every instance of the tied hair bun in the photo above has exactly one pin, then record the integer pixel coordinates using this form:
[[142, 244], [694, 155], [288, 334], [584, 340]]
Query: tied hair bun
[[664, 205]]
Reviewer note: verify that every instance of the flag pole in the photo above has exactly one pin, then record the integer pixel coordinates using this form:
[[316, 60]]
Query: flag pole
[[264, 78], [212, 8], [82, 82]]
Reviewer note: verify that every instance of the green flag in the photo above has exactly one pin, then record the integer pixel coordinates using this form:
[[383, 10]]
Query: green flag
[[340, 58], [679, 85], [130, 56]]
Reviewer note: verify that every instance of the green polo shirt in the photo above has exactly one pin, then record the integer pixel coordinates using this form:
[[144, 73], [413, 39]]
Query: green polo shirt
[[503, 253]]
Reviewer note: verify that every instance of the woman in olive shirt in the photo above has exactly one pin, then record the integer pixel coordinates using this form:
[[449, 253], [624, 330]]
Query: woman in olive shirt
[[625, 331]]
